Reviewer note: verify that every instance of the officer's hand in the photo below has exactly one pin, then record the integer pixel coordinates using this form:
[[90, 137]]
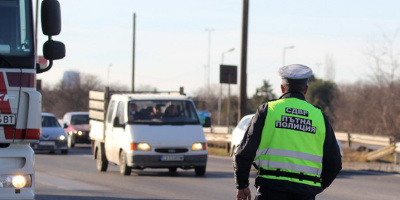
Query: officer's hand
[[243, 194]]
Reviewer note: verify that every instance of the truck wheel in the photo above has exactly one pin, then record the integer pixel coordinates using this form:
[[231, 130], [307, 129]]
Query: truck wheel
[[200, 171], [101, 164], [124, 169]]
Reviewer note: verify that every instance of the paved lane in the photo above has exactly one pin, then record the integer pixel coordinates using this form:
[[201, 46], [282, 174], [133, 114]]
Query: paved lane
[[74, 176]]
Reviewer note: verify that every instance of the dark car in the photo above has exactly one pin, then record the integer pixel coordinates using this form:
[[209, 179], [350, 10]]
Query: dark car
[[53, 137], [76, 125]]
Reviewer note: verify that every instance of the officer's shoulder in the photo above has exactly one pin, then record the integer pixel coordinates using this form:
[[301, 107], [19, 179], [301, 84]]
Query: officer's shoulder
[[319, 109], [264, 105]]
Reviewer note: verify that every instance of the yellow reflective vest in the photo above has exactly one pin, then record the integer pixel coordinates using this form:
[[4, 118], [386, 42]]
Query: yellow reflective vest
[[291, 146]]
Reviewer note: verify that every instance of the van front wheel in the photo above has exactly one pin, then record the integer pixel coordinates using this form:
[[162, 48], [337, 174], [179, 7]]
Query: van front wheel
[[124, 169], [200, 171], [102, 164]]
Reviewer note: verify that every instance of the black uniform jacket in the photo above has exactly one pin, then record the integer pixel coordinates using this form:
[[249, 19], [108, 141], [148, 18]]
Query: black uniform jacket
[[246, 151]]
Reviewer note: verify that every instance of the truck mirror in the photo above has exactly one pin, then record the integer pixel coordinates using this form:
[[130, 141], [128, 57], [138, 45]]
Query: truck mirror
[[207, 122], [53, 50], [51, 17], [51, 25]]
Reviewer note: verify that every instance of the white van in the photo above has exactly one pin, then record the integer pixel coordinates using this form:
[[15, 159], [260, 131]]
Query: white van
[[149, 131]]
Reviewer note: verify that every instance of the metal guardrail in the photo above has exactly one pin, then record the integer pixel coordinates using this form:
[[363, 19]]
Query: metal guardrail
[[397, 149], [216, 129], [365, 139], [217, 136], [221, 133]]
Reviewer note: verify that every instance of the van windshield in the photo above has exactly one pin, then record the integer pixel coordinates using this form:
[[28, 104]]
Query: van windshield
[[162, 112]]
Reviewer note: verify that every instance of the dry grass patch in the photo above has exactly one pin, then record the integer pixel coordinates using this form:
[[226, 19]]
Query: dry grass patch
[[352, 155], [218, 151], [356, 155]]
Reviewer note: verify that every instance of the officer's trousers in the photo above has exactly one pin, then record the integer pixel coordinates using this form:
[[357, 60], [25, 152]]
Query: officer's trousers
[[268, 194]]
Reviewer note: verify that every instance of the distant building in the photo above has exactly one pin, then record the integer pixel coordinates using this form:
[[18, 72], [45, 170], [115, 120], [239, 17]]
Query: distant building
[[71, 79]]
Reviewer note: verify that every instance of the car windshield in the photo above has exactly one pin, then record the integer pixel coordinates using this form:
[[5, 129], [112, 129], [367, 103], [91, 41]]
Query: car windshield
[[80, 119], [49, 121], [244, 124], [162, 112]]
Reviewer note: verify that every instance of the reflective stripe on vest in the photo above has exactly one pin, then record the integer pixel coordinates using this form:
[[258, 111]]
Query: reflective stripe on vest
[[292, 140], [292, 166]]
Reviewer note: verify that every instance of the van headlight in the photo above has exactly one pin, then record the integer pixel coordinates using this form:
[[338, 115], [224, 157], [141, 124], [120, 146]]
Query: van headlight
[[62, 137], [199, 146], [140, 146], [15, 181], [143, 147]]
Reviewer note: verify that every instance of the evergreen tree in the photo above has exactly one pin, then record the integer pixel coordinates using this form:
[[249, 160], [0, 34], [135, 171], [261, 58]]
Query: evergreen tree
[[263, 95]]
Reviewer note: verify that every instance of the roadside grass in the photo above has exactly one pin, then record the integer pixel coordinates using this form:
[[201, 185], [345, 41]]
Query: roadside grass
[[352, 155], [218, 151]]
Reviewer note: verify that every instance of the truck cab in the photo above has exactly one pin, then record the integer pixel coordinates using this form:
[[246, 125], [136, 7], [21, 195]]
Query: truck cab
[[20, 102], [152, 131]]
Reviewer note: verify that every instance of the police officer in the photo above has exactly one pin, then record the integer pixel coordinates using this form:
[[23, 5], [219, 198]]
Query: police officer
[[290, 142]]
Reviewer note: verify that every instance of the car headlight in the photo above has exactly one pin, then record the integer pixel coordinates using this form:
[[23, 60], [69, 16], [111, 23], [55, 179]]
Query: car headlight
[[62, 137], [76, 132], [140, 146], [15, 181], [199, 146]]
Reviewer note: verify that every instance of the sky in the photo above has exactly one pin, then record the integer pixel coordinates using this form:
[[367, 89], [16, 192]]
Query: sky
[[174, 43]]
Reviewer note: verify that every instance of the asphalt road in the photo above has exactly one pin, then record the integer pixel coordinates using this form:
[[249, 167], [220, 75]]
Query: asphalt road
[[74, 176]]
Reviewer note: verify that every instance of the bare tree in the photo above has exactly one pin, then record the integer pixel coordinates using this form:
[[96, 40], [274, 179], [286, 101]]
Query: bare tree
[[330, 71], [372, 106], [382, 58], [62, 99], [146, 88]]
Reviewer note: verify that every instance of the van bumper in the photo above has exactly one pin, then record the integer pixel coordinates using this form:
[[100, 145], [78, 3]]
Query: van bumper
[[154, 161]]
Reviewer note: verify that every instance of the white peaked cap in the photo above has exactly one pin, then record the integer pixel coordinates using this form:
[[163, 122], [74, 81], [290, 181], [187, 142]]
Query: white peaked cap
[[295, 71]]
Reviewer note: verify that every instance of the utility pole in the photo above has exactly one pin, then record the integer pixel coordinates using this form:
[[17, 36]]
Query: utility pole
[[133, 53], [284, 53], [243, 71]]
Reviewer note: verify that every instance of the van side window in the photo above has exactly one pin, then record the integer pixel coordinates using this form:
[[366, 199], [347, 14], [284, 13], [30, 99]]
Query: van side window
[[110, 111], [120, 112], [190, 111]]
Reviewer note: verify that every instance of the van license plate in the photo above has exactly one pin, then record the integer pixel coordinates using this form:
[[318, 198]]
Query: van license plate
[[171, 158], [7, 119]]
